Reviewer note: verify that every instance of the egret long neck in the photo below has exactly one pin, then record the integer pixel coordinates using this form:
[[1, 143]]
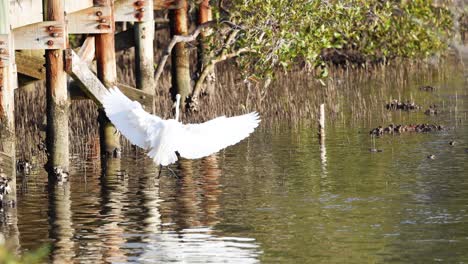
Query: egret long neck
[[177, 107]]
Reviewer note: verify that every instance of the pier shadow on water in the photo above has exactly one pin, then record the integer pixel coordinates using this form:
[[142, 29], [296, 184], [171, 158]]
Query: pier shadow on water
[[278, 196]]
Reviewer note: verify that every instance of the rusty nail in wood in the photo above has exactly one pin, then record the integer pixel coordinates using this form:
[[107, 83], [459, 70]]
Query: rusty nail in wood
[[41, 70], [55, 35], [50, 43], [2, 50], [143, 36], [98, 13], [142, 9], [50, 28], [99, 26], [138, 15], [103, 20]]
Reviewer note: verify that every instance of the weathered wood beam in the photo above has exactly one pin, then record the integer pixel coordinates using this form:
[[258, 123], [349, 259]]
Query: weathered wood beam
[[42, 35], [58, 103], [87, 86], [87, 50], [30, 65], [92, 20], [144, 98], [32, 10], [85, 78], [133, 10]]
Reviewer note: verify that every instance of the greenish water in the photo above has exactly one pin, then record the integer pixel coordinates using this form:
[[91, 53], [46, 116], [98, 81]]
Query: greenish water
[[277, 197]]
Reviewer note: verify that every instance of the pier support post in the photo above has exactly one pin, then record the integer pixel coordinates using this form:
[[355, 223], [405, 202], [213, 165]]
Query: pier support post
[[58, 103], [144, 57], [205, 15], [7, 86], [180, 55], [107, 73]]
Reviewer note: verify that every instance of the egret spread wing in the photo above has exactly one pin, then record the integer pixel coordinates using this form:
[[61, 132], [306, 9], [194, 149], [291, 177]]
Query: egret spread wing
[[199, 140], [130, 118]]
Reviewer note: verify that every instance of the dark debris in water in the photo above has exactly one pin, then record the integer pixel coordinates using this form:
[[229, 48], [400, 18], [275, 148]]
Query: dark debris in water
[[375, 150], [427, 88], [396, 104], [418, 128], [432, 110]]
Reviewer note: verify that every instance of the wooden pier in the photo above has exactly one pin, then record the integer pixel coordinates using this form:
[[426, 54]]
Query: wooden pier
[[34, 46]]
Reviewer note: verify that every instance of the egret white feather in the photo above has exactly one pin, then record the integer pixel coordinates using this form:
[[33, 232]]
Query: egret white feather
[[162, 138]]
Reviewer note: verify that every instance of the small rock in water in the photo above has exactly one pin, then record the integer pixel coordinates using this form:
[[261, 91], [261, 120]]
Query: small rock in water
[[432, 156], [452, 143]]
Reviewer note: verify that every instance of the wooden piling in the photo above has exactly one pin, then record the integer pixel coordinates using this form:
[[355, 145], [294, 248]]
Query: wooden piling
[[107, 73], [144, 57], [7, 86], [205, 15], [180, 55], [58, 103]]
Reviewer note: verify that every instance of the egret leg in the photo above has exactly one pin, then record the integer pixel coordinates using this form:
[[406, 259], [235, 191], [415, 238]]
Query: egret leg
[[160, 170]]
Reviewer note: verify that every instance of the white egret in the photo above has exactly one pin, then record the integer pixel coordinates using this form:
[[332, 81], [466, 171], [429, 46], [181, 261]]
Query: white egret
[[163, 138]]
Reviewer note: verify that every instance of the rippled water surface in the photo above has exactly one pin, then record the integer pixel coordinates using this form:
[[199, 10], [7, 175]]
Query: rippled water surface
[[277, 197]]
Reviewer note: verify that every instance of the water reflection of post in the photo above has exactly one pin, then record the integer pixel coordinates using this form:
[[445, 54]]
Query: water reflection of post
[[151, 203], [60, 222], [9, 230], [112, 190], [187, 199], [210, 205], [323, 150]]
